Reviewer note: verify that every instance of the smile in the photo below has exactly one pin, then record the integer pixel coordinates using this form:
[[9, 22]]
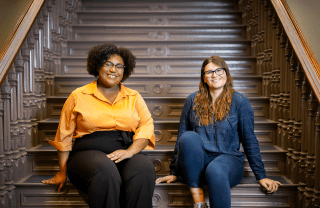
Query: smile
[[111, 76]]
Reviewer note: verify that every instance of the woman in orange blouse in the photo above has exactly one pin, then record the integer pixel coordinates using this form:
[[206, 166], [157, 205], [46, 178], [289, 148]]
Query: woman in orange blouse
[[111, 124]]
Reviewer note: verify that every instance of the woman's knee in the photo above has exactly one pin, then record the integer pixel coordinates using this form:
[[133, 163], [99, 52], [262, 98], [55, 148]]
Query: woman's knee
[[224, 169], [215, 174], [190, 139], [139, 166]]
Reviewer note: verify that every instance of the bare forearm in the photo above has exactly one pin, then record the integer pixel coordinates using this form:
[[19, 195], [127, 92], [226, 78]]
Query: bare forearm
[[138, 145], [63, 158]]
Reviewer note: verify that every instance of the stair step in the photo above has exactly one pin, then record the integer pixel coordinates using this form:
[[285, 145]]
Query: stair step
[[162, 107], [163, 48], [135, 33], [203, 6], [238, 65], [160, 18], [43, 159], [159, 85], [246, 194], [166, 130]]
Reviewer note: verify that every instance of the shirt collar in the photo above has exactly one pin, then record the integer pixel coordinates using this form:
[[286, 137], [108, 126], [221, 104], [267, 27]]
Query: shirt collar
[[93, 89]]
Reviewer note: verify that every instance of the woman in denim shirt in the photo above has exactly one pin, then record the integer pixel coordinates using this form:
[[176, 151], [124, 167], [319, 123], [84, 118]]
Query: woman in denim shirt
[[213, 123]]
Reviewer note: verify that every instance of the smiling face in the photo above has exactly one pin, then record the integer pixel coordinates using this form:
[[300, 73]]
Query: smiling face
[[109, 78], [214, 82]]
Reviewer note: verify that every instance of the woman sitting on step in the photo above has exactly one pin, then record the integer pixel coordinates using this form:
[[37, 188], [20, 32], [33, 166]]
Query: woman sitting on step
[[213, 123], [111, 124]]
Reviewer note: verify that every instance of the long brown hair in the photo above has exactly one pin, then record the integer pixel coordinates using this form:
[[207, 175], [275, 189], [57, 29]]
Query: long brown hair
[[203, 101]]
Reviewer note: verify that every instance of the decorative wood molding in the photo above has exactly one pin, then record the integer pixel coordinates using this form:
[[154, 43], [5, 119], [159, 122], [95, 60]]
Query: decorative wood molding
[[301, 47], [18, 37]]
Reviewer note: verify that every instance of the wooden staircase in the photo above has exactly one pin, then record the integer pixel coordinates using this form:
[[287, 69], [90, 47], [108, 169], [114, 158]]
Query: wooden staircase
[[170, 39]]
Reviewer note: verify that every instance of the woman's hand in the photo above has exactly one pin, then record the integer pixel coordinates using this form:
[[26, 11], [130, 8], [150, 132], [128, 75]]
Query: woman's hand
[[119, 155], [168, 179], [270, 185], [60, 178]]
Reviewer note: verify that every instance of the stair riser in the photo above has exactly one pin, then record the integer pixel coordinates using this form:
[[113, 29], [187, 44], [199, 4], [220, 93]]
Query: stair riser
[[170, 49], [160, 86], [168, 19], [164, 196], [166, 108], [110, 34], [177, 66], [253, 196], [159, 6], [166, 132], [47, 163]]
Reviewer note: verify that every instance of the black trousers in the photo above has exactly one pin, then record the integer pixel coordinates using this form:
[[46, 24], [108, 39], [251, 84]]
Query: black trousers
[[128, 184]]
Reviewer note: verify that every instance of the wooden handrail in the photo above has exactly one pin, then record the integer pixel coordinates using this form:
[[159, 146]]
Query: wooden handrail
[[303, 51], [14, 42]]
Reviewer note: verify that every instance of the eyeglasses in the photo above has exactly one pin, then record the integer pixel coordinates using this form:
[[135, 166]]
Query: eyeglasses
[[109, 65], [218, 71]]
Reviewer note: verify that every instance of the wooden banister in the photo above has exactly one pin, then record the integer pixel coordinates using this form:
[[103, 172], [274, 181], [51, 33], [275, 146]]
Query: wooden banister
[[15, 40], [301, 47]]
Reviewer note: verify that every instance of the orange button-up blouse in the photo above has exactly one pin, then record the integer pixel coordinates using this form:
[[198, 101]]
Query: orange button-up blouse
[[86, 110]]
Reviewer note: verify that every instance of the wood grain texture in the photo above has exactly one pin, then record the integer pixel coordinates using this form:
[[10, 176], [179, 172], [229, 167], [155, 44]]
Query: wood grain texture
[[18, 37], [305, 55]]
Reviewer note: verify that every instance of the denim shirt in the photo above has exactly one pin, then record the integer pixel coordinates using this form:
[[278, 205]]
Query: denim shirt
[[225, 136]]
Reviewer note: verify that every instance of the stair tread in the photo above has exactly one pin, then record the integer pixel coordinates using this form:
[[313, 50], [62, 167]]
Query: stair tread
[[195, 57], [212, 13], [227, 41], [256, 121], [156, 98], [158, 149], [164, 26], [35, 180], [234, 77]]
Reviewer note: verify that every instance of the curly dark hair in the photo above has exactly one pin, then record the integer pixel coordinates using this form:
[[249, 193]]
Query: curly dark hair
[[99, 54]]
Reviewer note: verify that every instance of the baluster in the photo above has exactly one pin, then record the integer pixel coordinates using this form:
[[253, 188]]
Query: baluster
[[268, 74], [14, 127], [290, 154], [30, 95], [48, 53], [306, 90], [3, 192], [285, 97], [40, 82], [19, 68], [299, 75], [310, 163], [8, 180], [26, 100], [275, 90], [316, 197]]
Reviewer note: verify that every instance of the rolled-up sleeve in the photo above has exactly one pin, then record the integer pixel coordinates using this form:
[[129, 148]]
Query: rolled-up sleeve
[[249, 139], [145, 128], [67, 126]]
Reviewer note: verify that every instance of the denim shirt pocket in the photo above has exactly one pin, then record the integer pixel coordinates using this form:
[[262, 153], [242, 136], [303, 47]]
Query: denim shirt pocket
[[233, 122], [232, 130]]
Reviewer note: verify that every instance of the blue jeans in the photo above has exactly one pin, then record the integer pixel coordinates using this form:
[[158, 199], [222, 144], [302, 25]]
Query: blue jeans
[[219, 171]]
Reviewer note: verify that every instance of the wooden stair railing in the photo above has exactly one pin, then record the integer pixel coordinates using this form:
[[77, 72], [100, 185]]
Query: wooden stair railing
[[20, 30], [26, 79], [291, 78]]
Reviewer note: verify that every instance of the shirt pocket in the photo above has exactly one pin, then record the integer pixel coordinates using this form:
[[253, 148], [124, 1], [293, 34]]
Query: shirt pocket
[[233, 122]]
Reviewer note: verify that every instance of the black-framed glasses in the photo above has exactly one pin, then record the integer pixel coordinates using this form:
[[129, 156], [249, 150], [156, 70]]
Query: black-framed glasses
[[218, 71], [109, 65]]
